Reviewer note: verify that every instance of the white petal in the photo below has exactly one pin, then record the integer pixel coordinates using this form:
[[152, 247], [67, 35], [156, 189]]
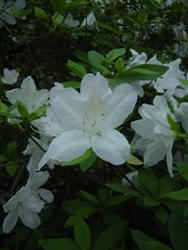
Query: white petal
[[10, 221], [94, 87], [111, 146], [12, 203], [13, 95], [69, 108], [46, 195], [36, 179], [154, 153], [32, 202], [119, 105], [29, 218], [28, 85], [169, 160], [66, 147], [40, 98], [144, 128]]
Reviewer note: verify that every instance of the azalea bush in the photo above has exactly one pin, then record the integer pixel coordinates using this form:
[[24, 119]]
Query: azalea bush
[[94, 124]]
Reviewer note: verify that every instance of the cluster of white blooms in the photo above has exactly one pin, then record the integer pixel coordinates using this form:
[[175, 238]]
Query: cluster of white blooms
[[168, 81], [89, 20], [28, 201], [76, 122]]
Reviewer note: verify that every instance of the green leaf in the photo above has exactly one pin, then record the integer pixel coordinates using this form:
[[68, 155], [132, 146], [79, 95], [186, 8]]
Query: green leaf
[[3, 158], [58, 4], [74, 4], [144, 72], [163, 188], [86, 211], [142, 16], [57, 18], [22, 109], [178, 232], [70, 222], [107, 27], [148, 180], [184, 82], [82, 234], [140, 238], [37, 233], [103, 195], [119, 64], [155, 245], [12, 169], [174, 126], [96, 60], [133, 160], [57, 244], [115, 53], [73, 206], [124, 190], [85, 156], [116, 200], [85, 165], [181, 195], [161, 214], [23, 13], [185, 212], [41, 13], [89, 197], [150, 201], [78, 69], [72, 84], [3, 107], [110, 236], [12, 149], [81, 56], [183, 169]]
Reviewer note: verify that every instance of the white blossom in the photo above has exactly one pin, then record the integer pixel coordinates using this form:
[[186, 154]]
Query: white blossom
[[89, 119], [157, 138], [10, 76], [28, 201], [70, 21]]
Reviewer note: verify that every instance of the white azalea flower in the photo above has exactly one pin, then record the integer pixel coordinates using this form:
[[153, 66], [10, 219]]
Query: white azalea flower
[[32, 98], [136, 59], [157, 138], [49, 124], [70, 21], [6, 15], [89, 119], [23, 205], [10, 76], [37, 179], [89, 20], [28, 201], [169, 80]]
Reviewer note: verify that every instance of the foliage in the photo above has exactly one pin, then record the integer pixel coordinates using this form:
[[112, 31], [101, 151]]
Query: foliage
[[55, 46]]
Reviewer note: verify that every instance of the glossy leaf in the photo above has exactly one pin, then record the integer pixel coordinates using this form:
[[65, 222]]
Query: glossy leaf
[[57, 244], [110, 236], [82, 234], [178, 232]]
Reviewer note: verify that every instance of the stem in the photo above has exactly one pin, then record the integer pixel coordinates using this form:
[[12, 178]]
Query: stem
[[34, 141], [124, 176]]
